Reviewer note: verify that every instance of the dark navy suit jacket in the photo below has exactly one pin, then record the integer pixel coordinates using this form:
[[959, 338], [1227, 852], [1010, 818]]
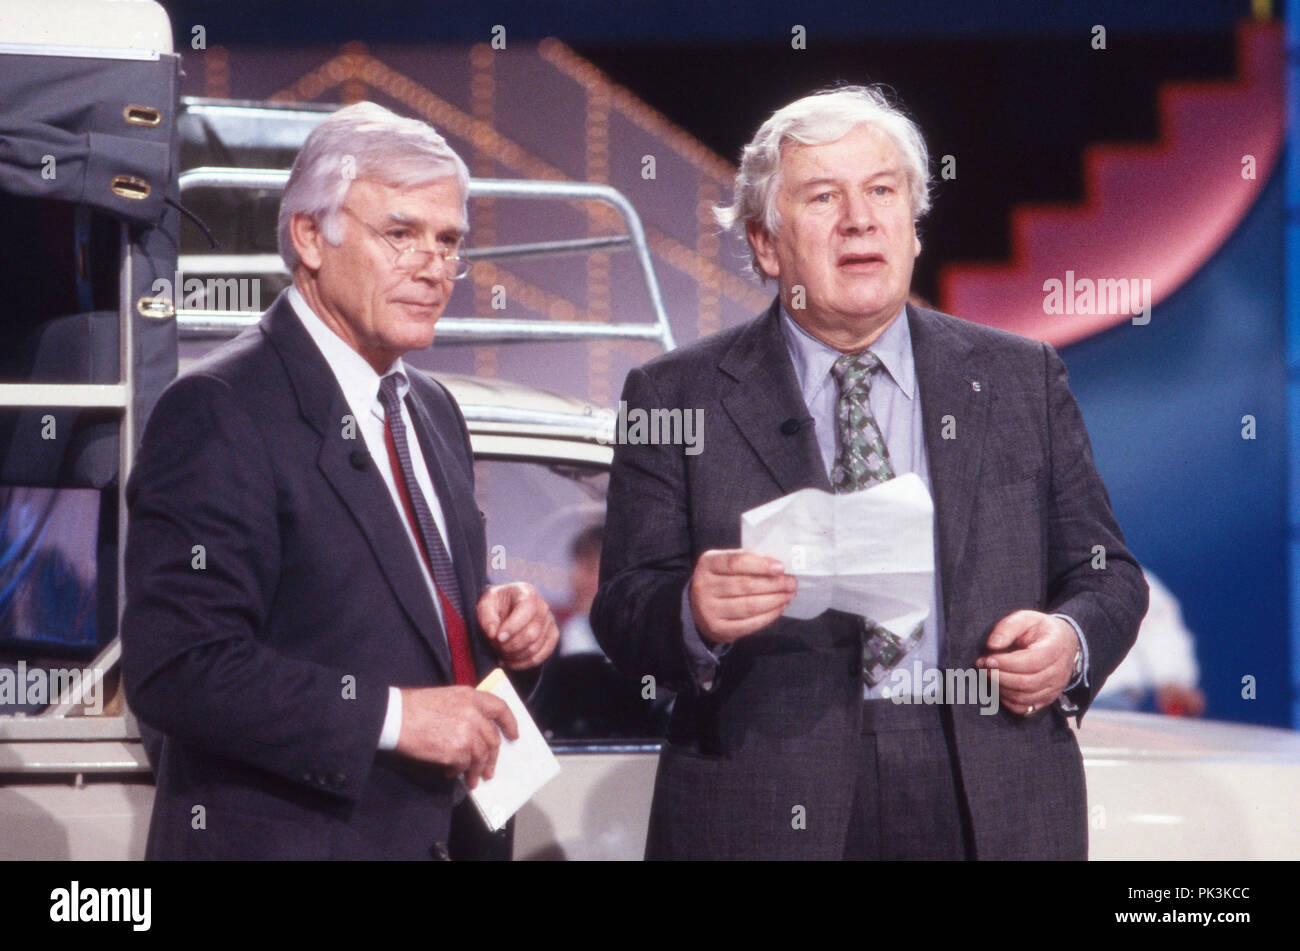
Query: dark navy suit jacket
[[272, 599]]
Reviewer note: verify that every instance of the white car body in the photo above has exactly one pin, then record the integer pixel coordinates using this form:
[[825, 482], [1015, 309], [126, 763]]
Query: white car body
[[79, 787]]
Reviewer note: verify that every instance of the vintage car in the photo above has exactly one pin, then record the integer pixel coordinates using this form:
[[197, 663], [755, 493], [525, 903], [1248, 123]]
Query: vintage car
[[75, 786]]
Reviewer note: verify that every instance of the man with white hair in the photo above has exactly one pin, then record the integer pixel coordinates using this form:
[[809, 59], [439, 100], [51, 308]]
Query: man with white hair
[[824, 738], [307, 602]]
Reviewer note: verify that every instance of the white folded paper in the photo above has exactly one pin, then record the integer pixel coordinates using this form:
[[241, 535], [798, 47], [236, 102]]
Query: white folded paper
[[523, 766], [869, 552]]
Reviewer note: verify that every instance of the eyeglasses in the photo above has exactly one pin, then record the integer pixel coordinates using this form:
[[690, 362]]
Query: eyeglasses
[[410, 259]]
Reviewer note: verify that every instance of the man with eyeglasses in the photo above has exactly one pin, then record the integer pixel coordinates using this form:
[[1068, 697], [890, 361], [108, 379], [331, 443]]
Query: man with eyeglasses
[[307, 600]]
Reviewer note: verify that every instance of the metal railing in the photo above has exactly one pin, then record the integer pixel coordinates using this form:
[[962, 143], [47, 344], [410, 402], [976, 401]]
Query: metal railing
[[205, 323]]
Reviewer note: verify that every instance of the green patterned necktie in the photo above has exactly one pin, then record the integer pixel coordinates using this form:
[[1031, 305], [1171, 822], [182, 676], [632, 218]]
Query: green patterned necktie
[[862, 461]]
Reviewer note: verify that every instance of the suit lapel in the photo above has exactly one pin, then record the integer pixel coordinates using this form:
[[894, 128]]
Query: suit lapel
[[762, 395], [946, 374], [347, 466]]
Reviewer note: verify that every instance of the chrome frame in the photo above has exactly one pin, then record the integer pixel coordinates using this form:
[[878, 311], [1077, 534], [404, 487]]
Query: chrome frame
[[78, 52], [203, 323]]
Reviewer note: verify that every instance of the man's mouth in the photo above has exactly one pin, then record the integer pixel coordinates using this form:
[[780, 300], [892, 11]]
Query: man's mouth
[[860, 260]]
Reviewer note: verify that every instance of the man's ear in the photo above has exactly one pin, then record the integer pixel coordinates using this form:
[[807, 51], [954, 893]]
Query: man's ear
[[760, 242], [305, 233]]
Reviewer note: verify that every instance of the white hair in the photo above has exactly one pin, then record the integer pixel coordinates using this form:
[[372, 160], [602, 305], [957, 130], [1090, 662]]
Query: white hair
[[819, 119], [361, 141]]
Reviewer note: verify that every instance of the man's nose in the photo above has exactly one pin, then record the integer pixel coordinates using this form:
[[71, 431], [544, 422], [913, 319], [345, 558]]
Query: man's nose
[[859, 214], [432, 271]]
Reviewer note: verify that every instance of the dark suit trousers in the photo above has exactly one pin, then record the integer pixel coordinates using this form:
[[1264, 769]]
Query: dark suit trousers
[[471, 840], [907, 803]]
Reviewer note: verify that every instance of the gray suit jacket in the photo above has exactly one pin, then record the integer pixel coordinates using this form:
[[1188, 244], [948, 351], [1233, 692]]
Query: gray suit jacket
[[1019, 508]]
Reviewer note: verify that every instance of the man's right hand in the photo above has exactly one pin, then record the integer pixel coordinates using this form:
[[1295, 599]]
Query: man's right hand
[[735, 593], [455, 726]]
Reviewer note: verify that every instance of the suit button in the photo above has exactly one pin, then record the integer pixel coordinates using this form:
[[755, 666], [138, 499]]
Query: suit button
[[439, 852]]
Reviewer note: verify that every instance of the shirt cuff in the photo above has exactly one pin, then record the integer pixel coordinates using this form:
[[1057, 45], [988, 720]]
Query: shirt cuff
[[392, 721], [1066, 704], [704, 658], [1083, 646]]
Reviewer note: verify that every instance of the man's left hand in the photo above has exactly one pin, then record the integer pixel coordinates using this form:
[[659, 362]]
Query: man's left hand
[[518, 623], [1034, 656]]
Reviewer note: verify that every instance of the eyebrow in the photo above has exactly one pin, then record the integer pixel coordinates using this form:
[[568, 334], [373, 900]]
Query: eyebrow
[[453, 233], [828, 180]]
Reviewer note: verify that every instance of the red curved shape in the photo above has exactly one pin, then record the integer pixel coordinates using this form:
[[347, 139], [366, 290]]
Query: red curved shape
[[1151, 212]]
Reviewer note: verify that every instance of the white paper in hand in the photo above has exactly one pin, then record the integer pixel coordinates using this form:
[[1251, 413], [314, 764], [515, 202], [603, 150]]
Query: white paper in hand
[[869, 552], [523, 766]]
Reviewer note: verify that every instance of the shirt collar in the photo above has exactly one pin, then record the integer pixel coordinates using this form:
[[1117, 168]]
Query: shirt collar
[[356, 377], [813, 359]]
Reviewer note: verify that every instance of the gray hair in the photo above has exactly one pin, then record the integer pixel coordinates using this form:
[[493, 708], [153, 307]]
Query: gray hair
[[819, 119], [365, 141]]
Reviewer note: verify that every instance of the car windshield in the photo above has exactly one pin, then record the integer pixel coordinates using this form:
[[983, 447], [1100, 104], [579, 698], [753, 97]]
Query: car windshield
[[544, 522]]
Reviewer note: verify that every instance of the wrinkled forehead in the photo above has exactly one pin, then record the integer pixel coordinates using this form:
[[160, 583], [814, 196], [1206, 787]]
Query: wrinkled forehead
[[863, 149], [435, 206]]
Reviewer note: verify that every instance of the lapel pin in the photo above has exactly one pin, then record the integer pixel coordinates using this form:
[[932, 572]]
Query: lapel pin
[[975, 385]]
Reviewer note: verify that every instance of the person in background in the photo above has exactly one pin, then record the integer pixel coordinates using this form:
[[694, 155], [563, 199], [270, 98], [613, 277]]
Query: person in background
[[582, 696], [1160, 671], [584, 578]]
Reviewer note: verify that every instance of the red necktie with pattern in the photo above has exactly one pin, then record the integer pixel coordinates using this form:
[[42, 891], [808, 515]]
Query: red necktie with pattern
[[426, 533]]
